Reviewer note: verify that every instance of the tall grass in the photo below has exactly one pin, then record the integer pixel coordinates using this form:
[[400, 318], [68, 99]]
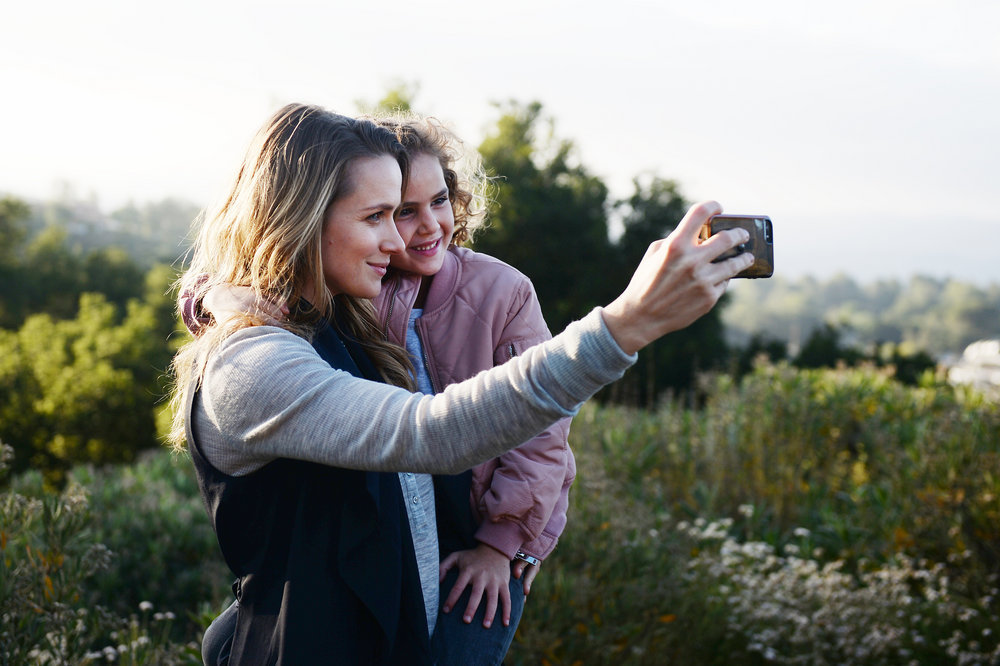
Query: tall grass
[[701, 537], [798, 517]]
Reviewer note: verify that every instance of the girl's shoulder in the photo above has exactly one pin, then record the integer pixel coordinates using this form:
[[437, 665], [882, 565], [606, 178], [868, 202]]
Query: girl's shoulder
[[479, 266]]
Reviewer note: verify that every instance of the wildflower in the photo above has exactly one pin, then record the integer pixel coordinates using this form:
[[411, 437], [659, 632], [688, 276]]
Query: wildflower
[[801, 532], [145, 606], [746, 510]]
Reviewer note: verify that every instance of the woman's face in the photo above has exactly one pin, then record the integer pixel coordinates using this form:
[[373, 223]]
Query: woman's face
[[425, 219], [359, 235]]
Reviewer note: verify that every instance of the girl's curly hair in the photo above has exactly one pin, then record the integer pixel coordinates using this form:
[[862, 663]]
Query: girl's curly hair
[[470, 190]]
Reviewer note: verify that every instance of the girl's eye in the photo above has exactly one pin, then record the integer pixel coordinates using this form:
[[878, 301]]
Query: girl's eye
[[375, 217], [440, 201], [404, 212]]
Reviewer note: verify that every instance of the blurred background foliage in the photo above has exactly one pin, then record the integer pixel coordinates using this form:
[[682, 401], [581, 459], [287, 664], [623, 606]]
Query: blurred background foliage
[[821, 405]]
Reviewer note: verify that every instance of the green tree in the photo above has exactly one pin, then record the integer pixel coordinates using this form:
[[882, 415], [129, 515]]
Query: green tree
[[80, 389], [110, 271], [823, 349], [549, 217], [51, 275], [399, 97], [13, 230]]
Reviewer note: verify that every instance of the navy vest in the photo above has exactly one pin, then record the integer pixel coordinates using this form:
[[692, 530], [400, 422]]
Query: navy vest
[[323, 556]]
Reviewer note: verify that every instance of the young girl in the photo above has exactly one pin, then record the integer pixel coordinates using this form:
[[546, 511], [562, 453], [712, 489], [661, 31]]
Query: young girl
[[296, 445], [459, 312]]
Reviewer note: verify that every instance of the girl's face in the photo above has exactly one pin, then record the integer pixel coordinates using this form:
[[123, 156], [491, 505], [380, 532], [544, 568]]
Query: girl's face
[[359, 235], [425, 219]]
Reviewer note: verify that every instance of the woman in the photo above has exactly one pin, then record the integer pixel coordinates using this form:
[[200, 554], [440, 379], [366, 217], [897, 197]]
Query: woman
[[294, 449], [497, 522]]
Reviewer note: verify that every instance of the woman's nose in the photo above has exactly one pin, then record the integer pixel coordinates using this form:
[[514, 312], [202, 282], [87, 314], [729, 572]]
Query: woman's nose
[[392, 242]]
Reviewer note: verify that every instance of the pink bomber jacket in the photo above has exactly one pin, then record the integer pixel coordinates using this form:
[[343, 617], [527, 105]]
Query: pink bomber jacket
[[480, 312]]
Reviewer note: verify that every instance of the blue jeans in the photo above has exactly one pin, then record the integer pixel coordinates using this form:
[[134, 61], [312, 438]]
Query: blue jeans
[[459, 644], [455, 642], [218, 640]]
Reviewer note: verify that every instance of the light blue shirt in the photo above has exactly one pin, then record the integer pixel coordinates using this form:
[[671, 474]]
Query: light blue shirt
[[418, 494]]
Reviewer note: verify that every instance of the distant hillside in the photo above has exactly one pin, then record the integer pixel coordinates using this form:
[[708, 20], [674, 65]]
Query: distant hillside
[[148, 233], [939, 316]]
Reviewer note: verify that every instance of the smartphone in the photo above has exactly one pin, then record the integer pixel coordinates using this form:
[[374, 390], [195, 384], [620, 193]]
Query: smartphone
[[761, 243]]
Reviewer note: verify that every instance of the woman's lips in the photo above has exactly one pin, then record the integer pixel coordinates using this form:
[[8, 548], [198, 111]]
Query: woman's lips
[[379, 268]]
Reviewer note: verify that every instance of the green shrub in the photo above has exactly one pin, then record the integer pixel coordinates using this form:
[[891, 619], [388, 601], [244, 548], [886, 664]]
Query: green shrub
[[150, 516], [48, 557]]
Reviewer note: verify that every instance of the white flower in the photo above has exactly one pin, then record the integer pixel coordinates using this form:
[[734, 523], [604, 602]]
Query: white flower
[[145, 606], [801, 532]]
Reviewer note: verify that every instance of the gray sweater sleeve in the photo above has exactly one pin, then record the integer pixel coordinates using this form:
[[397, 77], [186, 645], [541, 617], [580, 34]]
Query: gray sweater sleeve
[[267, 394]]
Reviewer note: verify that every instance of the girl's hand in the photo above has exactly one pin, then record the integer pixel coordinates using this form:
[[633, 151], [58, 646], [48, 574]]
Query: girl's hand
[[529, 571], [488, 572]]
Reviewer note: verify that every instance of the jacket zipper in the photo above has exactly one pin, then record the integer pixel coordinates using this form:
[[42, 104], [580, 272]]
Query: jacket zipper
[[423, 352]]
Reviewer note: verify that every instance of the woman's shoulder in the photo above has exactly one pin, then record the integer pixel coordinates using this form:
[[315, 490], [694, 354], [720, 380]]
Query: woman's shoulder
[[267, 345]]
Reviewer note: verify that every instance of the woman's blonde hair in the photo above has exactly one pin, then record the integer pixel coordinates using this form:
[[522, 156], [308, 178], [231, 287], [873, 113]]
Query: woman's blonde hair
[[266, 235], [469, 188]]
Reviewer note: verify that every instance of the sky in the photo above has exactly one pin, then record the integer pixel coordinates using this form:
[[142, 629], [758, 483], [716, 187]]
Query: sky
[[868, 130]]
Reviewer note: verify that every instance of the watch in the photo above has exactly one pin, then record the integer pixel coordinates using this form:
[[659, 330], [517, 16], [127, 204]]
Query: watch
[[524, 557]]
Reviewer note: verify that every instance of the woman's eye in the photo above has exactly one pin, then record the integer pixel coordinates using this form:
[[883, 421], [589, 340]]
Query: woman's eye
[[404, 212], [375, 217], [440, 201]]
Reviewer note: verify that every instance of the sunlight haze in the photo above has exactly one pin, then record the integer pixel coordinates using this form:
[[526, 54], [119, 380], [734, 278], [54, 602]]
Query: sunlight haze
[[868, 131]]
